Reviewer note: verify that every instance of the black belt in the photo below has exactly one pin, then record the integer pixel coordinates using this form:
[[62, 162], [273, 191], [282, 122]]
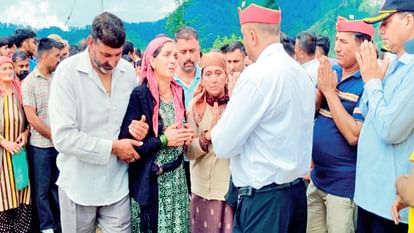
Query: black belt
[[248, 191]]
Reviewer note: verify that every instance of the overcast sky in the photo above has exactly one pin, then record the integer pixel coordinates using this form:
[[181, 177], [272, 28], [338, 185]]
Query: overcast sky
[[44, 13]]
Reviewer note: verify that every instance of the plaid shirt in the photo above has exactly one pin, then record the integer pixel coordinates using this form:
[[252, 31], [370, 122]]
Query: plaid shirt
[[35, 92]]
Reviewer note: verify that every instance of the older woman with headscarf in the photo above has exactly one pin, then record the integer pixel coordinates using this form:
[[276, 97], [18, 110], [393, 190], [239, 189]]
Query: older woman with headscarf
[[157, 179], [15, 210], [209, 175]]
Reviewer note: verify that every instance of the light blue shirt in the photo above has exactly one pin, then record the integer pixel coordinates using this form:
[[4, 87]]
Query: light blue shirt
[[84, 120], [266, 129], [32, 63], [387, 137], [189, 90]]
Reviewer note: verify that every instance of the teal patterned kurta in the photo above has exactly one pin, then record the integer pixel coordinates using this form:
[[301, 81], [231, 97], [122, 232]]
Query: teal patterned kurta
[[173, 203], [173, 211]]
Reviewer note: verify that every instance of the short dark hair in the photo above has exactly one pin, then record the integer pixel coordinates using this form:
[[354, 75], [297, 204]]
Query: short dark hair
[[288, 44], [186, 33], [21, 34], [138, 52], [11, 40], [4, 41], [227, 48], [361, 37], [46, 44], [324, 43], [128, 47], [127, 58], [109, 29], [74, 49], [307, 42], [20, 55]]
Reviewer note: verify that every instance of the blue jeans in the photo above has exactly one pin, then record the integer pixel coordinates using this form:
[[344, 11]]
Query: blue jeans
[[45, 190]]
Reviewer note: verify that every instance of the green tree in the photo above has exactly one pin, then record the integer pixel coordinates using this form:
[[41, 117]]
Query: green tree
[[177, 18], [223, 40]]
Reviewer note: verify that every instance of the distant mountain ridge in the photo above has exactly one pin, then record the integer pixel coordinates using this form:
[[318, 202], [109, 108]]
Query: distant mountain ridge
[[218, 18]]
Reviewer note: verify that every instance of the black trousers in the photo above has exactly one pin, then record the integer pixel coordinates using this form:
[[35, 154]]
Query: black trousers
[[187, 175], [372, 223], [272, 209]]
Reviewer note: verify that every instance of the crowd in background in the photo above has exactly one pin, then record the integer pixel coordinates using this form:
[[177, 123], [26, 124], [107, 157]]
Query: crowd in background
[[268, 134]]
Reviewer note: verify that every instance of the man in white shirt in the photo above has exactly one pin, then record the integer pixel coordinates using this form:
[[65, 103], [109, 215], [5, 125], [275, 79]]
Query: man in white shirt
[[305, 48], [88, 99], [266, 130]]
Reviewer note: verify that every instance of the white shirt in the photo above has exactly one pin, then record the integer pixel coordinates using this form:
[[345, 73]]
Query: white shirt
[[266, 129], [84, 121], [312, 68]]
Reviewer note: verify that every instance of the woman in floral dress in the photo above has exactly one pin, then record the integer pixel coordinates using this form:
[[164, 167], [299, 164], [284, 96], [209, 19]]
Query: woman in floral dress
[[157, 179]]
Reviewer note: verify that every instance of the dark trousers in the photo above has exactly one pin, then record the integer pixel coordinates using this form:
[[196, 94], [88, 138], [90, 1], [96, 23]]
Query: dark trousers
[[273, 209], [371, 223], [187, 175], [45, 174]]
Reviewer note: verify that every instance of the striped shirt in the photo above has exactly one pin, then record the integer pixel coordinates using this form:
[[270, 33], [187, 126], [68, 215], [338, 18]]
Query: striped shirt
[[12, 123], [333, 157], [35, 92]]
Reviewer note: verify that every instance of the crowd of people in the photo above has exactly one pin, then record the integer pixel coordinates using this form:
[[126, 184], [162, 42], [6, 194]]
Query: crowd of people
[[268, 134]]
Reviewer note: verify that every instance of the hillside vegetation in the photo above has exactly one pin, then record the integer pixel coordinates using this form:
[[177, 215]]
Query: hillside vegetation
[[215, 19]]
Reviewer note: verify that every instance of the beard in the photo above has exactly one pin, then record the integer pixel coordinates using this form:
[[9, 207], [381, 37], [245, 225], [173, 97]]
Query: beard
[[104, 68], [22, 74], [30, 53], [188, 66], [52, 68]]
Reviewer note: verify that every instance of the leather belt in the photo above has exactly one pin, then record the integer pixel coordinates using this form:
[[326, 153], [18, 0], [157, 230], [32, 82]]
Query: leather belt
[[248, 191]]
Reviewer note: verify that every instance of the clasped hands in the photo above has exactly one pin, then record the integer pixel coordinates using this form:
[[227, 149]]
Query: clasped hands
[[124, 148], [369, 68], [327, 78], [179, 134], [16, 146], [368, 63]]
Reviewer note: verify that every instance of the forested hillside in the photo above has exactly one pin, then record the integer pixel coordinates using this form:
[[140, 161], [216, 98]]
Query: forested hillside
[[218, 18]]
